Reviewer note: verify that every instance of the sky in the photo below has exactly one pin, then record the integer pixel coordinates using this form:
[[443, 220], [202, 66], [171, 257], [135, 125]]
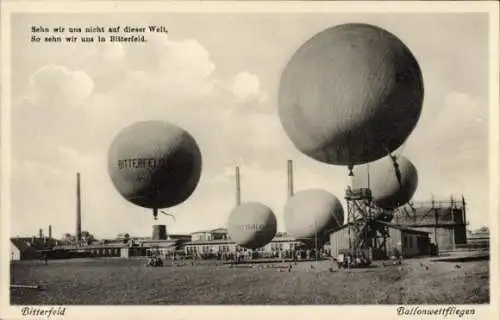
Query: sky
[[217, 76]]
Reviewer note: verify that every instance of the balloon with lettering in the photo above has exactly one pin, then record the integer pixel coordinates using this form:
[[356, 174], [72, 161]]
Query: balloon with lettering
[[309, 214], [154, 164], [252, 225], [392, 182], [350, 95]]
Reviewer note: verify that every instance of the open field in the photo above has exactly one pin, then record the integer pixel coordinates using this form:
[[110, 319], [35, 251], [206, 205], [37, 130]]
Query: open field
[[118, 282]]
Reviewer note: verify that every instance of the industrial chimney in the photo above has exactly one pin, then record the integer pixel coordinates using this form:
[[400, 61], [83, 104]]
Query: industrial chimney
[[40, 233], [78, 210], [238, 190], [290, 178], [159, 232], [50, 231]]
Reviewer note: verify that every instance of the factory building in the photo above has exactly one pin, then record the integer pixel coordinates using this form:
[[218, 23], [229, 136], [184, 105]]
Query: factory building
[[445, 221], [27, 248], [477, 239], [209, 235], [95, 251], [212, 242], [409, 242], [161, 243]]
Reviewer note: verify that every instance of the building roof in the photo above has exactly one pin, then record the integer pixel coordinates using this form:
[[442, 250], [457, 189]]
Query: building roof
[[219, 230], [25, 244], [481, 233], [229, 241], [209, 242], [92, 246], [152, 242], [159, 245], [201, 231], [390, 225], [216, 230], [283, 239], [403, 228], [178, 236]]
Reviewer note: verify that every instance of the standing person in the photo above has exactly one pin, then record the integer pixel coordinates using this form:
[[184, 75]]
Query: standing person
[[45, 258], [358, 260]]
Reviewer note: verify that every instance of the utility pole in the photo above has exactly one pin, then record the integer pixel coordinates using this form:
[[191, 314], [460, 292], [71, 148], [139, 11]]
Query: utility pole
[[238, 187], [78, 235], [315, 241]]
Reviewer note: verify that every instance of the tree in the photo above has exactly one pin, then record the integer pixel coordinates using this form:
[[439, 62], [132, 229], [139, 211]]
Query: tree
[[483, 229], [87, 237], [67, 238], [125, 237]]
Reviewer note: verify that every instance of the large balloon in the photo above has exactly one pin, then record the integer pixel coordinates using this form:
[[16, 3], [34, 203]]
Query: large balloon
[[350, 95], [252, 225], [309, 213], [154, 164], [391, 185]]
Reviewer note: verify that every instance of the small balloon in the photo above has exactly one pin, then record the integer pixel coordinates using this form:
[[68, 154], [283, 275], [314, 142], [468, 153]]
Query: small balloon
[[310, 213], [393, 182], [252, 225]]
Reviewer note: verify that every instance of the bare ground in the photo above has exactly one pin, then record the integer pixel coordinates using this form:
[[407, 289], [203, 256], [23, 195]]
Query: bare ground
[[128, 282]]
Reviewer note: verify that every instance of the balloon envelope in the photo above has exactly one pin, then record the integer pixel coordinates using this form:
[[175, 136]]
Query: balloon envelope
[[390, 188], [309, 213], [154, 164], [252, 225], [350, 95]]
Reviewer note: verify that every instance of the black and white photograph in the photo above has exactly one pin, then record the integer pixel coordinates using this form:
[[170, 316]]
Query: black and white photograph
[[229, 154]]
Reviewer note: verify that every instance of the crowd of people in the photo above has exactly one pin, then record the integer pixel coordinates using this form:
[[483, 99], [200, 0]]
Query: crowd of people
[[154, 261], [353, 259], [244, 255]]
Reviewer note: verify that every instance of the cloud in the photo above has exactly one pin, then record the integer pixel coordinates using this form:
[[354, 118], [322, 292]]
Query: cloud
[[178, 85], [246, 88], [175, 83], [111, 52], [60, 86], [43, 188], [187, 59], [453, 136], [450, 151]]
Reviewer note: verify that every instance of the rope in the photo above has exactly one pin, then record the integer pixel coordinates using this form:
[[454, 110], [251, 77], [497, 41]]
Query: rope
[[395, 165]]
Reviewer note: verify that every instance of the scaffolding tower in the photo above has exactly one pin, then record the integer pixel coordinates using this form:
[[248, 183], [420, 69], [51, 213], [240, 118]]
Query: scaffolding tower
[[364, 222]]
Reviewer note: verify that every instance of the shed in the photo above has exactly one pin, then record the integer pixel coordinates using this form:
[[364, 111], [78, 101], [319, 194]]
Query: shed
[[409, 242]]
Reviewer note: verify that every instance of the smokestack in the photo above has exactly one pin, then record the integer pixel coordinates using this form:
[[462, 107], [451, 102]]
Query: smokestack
[[238, 190], [290, 178], [40, 233], [78, 210], [159, 232], [50, 231]]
